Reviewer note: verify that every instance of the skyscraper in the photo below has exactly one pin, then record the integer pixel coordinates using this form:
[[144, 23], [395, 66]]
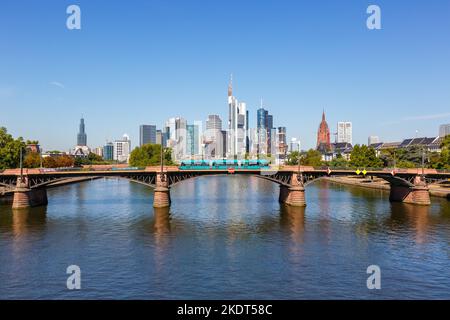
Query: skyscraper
[[213, 138], [323, 136], [213, 122], [266, 132], [237, 122], [192, 139], [160, 138], [108, 151], [147, 134], [344, 132], [82, 136]]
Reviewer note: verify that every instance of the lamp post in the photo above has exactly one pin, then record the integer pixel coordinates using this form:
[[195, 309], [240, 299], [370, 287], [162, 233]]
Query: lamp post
[[395, 161], [162, 158], [423, 160], [21, 163]]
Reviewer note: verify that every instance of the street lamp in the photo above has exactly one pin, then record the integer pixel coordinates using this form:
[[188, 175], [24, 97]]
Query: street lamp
[[423, 160], [21, 163], [162, 158]]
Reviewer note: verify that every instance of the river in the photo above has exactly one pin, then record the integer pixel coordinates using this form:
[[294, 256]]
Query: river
[[224, 237]]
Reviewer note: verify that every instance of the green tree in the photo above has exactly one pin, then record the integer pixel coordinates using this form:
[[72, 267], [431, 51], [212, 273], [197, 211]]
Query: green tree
[[338, 162], [311, 158], [441, 160], [149, 155], [292, 158], [364, 157], [10, 150]]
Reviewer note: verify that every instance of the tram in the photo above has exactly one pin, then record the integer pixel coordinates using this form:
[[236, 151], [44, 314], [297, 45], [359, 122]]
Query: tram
[[224, 164]]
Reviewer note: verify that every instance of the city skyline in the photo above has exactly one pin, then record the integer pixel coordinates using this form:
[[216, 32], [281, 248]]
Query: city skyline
[[299, 62]]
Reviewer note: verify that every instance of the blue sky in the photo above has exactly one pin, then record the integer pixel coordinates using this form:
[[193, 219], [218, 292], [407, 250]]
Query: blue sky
[[136, 62]]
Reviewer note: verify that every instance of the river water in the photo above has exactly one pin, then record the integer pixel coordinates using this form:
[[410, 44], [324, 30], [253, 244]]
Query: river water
[[225, 237]]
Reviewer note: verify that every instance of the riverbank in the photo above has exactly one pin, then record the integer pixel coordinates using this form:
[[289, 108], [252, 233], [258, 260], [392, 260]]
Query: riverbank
[[378, 183]]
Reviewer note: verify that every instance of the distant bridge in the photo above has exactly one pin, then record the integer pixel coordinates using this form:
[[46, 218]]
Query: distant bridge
[[407, 185]]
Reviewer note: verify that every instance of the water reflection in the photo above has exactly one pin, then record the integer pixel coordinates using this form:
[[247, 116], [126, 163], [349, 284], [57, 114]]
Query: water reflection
[[292, 220], [161, 221], [406, 217], [24, 221]]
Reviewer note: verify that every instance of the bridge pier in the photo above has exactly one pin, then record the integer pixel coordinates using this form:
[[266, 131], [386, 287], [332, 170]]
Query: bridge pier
[[293, 195], [161, 197], [25, 197], [417, 194]]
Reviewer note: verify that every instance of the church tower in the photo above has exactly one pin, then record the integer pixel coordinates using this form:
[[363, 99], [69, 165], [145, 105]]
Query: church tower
[[323, 136]]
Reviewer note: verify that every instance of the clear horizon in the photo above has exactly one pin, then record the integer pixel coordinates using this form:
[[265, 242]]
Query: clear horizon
[[142, 63]]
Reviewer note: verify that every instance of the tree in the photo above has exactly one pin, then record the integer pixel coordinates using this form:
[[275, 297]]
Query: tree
[[58, 162], [149, 155], [311, 158], [445, 153], [364, 157], [338, 162], [441, 160], [32, 160], [9, 150], [292, 158], [92, 158]]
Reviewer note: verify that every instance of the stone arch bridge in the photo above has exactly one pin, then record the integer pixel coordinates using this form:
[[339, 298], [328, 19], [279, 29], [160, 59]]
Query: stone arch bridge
[[409, 186]]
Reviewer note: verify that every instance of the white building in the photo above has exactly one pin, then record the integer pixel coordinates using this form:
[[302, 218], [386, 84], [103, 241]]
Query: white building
[[122, 149], [344, 132], [237, 126], [373, 140], [295, 145]]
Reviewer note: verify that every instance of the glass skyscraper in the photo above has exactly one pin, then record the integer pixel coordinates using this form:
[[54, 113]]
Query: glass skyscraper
[[82, 136], [147, 134]]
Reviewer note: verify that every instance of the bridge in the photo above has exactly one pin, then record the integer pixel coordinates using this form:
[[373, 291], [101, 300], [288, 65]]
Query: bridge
[[407, 185]]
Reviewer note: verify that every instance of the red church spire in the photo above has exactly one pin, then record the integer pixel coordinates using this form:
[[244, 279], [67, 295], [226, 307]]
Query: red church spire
[[323, 135]]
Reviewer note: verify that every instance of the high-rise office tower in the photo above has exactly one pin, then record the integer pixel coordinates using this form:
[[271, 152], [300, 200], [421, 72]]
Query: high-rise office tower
[[81, 136], [344, 132], [108, 151], [213, 138], [266, 132], [147, 134], [213, 122], [161, 137], [192, 139], [237, 122]]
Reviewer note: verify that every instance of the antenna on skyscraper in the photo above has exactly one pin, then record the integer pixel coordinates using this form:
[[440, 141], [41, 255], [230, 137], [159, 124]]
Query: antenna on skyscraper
[[230, 86]]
